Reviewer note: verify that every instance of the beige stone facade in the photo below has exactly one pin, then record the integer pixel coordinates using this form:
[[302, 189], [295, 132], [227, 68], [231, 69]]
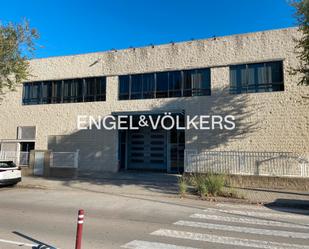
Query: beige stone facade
[[274, 121]]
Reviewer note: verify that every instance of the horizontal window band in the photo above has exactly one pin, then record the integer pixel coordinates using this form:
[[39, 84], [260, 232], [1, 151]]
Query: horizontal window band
[[65, 91]]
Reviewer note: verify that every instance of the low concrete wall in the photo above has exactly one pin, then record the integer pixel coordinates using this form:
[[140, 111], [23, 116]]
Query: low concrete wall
[[51, 172], [269, 182], [62, 172], [47, 170], [26, 171]]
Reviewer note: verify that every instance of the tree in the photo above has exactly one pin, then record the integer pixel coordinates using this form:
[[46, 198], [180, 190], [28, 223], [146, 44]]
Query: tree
[[302, 44], [16, 48]]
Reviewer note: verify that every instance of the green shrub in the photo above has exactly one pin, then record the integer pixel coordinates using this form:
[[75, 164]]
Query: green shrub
[[215, 183], [202, 189], [206, 184], [196, 180], [199, 182], [182, 186], [190, 179]]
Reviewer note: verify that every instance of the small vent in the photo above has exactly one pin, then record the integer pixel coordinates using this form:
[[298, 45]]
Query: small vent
[[26, 132]]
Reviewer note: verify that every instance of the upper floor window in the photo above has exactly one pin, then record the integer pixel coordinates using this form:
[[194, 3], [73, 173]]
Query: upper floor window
[[65, 91], [183, 83], [26, 132], [257, 77]]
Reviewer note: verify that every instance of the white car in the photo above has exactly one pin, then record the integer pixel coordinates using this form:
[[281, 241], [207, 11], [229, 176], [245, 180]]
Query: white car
[[10, 174]]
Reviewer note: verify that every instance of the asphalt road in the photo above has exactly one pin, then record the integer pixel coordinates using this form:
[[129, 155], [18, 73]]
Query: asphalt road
[[35, 216]]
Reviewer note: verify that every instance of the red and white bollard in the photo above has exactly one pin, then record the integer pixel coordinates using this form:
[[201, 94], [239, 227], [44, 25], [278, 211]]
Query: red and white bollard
[[79, 232]]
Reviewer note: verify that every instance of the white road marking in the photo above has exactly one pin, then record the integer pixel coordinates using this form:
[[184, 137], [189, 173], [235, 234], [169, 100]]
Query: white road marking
[[259, 214], [238, 229], [139, 244], [262, 208], [242, 206], [248, 221], [17, 243], [226, 240]]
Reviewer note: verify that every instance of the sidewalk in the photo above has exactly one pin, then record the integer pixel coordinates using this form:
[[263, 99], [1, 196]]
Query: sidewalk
[[276, 197], [159, 184]]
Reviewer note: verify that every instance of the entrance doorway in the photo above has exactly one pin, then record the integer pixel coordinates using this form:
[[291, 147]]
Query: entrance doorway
[[26, 146], [147, 150], [152, 150]]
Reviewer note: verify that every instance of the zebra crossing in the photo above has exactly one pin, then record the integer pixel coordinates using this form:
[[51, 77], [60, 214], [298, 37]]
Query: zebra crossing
[[232, 226]]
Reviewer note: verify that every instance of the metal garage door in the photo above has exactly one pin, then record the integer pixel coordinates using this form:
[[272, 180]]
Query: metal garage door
[[147, 149]]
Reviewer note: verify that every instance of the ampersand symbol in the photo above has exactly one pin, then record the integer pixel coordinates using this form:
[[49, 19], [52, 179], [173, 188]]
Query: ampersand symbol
[[142, 121]]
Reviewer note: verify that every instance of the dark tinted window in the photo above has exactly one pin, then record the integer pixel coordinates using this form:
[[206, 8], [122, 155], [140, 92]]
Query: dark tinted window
[[100, 94], [46, 92], [136, 86], [185, 83], [57, 91], [32, 93], [90, 89], [275, 71], [162, 85], [65, 91], [72, 90], [238, 77], [124, 86], [68, 91], [257, 77], [35, 93], [175, 84], [201, 82], [26, 93], [148, 86]]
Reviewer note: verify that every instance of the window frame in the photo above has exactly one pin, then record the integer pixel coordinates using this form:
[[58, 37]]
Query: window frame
[[76, 91], [167, 91], [240, 88]]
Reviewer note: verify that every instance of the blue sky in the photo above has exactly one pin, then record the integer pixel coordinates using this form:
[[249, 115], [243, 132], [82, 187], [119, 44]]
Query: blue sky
[[74, 27]]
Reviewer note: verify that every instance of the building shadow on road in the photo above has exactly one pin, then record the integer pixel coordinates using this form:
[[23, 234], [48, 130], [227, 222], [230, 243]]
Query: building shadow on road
[[277, 191], [290, 206], [127, 180]]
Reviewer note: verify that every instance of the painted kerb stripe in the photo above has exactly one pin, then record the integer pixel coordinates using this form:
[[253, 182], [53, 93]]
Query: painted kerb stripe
[[250, 230], [226, 240]]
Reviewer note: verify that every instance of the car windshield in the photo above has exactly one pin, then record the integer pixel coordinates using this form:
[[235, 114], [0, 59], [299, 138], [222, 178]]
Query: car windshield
[[8, 164]]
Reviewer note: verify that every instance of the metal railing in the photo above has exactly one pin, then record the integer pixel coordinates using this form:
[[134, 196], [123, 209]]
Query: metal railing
[[20, 158], [247, 163], [64, 159]]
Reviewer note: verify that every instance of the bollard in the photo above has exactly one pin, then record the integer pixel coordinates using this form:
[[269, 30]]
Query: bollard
[[79, 232]]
